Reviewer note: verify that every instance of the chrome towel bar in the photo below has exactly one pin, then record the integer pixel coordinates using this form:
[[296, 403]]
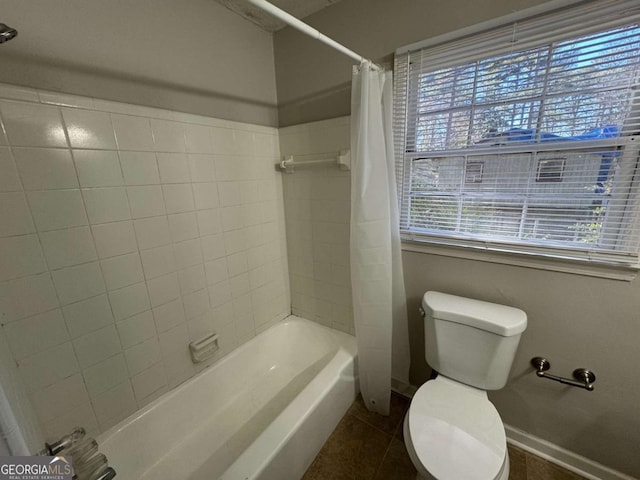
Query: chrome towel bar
[[583, 378]]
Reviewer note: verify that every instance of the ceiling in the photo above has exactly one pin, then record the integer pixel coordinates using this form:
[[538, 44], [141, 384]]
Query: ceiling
[[297, 8]]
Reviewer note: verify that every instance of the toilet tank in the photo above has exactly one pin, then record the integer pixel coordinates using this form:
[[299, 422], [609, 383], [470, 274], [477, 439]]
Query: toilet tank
[[471, 341]]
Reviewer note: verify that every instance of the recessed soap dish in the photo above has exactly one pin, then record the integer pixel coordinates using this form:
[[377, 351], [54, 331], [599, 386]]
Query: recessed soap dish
[[204, 348]]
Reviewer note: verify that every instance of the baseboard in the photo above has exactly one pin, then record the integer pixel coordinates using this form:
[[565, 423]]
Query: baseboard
[[562, 457], [402, 388]]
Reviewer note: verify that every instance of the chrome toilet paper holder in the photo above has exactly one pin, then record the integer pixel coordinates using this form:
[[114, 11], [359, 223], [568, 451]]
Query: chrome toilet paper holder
[[582, 377]]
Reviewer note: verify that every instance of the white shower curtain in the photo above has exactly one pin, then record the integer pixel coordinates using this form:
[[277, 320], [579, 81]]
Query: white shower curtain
[[379, 300]]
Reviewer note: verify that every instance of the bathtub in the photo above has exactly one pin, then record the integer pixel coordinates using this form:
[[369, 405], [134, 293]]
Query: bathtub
[[262, 412]]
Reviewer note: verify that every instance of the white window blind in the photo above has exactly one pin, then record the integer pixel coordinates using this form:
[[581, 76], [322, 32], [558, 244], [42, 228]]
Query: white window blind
[[525, 138]]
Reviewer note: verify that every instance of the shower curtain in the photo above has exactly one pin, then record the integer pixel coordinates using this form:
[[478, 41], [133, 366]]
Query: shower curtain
[[379, 300]]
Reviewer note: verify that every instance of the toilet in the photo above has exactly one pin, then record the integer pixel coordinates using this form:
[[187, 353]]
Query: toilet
[[451, 430]]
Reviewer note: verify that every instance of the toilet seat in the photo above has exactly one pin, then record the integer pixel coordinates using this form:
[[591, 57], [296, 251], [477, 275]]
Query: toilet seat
[[456, 432]]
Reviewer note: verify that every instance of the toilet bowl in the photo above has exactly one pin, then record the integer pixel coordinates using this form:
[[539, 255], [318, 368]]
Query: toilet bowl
[[451, 430]]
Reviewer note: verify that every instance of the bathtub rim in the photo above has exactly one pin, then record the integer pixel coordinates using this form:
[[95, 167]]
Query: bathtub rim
[[345, 341]]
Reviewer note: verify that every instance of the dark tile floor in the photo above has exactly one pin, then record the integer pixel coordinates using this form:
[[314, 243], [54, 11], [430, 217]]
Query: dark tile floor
[[368, 446]]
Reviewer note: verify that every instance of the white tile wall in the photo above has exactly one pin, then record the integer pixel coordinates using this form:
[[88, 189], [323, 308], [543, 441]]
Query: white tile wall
[[113, 239], [98, 168], [132, 133], [122, 271], [20, 256], [88, 315], [106, 204], [9, 179], [32, 125], [68, 247], [173, 168], [183, 226], [77, 283], [146, 201], [15, 217], [139, 168], [116, 249], [163, 289], [45, 168], [317, 204], [57, 209], [51, 328]]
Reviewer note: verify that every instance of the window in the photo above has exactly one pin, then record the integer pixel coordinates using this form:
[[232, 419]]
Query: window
[[550, 170], [473, 172], [524, 138]]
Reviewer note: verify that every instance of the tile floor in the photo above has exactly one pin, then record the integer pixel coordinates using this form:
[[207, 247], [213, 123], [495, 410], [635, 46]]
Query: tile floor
[[368, 446]]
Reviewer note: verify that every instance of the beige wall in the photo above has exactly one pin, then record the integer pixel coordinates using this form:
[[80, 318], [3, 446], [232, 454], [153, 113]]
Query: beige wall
[[194, 56], [313, 80], [574, 321]]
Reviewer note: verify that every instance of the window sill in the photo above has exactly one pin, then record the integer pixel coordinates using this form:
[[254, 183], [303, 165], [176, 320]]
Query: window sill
[[539, 262]]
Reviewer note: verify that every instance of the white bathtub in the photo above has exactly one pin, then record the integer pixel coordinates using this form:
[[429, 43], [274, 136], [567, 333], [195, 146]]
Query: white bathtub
[[262, 412]]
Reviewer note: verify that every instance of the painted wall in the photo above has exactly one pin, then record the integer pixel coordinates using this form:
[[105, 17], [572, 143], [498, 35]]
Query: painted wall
[[574, 321], [194, 56], [314, 81], [125, 233]]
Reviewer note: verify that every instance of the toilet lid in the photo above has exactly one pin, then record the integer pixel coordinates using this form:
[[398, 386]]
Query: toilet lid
[[456, 432]]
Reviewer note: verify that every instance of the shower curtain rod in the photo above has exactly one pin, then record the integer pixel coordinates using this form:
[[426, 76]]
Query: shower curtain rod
[[308, 30]]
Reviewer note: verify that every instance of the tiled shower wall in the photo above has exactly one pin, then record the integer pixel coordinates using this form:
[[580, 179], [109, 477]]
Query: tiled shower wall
[[317, 206], [126, 232]]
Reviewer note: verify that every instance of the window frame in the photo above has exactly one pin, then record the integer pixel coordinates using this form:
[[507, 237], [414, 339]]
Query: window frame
[[549, 177], [548, 258]]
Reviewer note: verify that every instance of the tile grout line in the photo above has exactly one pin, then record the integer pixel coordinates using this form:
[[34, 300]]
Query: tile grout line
[[388, 445], [375, 475], [374, 426], [391, 435]]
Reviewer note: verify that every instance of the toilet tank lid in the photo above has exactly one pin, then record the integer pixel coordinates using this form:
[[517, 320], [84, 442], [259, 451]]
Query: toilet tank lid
[[498, 319]]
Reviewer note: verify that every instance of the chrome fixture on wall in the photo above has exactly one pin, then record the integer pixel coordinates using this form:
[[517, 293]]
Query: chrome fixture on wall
[[65, 442], [583, 378], [342, 159], [7, 33], [88, 462]]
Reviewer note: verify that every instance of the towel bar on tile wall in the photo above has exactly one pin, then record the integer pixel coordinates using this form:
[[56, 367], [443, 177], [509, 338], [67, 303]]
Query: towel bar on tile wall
[[342, 159], [583, 378]]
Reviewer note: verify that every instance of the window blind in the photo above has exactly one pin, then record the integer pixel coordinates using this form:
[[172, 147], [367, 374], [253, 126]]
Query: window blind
[[525, 138]]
